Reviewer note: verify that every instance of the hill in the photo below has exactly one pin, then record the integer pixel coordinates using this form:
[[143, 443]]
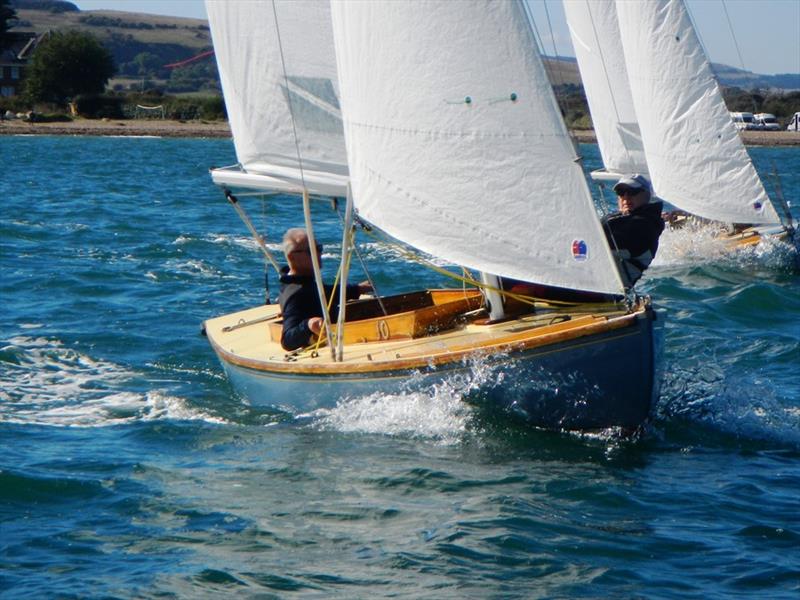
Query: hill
[[143, 44], [748, 80]]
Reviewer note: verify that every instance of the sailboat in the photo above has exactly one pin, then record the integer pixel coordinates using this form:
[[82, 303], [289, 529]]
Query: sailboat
[[454, 145], [658, 110]]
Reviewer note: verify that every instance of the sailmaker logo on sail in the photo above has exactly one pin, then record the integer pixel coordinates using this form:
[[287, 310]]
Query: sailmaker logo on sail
[[580, 250]]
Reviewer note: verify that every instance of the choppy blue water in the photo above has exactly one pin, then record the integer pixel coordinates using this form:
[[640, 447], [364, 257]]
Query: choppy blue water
[[129, 468]]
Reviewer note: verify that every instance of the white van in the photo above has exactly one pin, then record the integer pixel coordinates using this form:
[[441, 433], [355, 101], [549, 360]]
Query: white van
[[743, 120], [794, 123], [767, 122]]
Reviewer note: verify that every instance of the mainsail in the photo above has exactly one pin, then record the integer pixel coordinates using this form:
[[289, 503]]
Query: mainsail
[[278, 73], [695, 157], [456, 145], [598, 49]]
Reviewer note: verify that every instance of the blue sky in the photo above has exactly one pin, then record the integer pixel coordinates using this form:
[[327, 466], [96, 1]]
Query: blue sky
[[767, 31]]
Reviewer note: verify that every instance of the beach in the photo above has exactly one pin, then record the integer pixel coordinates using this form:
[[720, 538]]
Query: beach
[[221, 129]]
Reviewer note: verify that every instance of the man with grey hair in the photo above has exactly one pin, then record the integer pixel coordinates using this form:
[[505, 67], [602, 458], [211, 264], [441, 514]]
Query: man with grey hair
[[299, 300], [633, 232]]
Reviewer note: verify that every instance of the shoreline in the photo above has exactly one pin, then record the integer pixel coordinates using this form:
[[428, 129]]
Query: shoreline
[[221, 129], [750, 138]]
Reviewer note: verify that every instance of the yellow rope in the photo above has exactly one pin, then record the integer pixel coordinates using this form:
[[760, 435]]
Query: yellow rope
[[467, 278], [335, 287]]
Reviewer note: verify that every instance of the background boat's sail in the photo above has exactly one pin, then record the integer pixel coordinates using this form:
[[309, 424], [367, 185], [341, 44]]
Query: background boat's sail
[[598, 49], [456, 144], [269, 111], [694, 154]]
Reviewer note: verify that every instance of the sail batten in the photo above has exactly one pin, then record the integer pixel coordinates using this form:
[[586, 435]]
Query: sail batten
[[456, 145]]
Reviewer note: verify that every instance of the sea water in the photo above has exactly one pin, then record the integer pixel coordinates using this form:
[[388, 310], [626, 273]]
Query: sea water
[[130, 469]]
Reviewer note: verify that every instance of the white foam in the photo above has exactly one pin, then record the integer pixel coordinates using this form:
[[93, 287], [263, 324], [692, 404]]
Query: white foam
[[194, 267], [699, 244], [53, 385], [436, 411], [689, 244]]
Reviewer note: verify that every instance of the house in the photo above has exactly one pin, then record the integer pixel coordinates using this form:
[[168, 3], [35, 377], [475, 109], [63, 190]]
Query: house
[[14, 59]]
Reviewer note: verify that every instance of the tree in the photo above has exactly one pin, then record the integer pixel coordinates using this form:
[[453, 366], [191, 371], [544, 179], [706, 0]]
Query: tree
[[68, 64], [8, 18]]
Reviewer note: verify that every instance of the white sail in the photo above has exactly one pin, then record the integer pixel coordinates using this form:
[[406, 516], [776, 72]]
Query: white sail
[[598, 49], [456, 144], [694, 154], [286, 125]]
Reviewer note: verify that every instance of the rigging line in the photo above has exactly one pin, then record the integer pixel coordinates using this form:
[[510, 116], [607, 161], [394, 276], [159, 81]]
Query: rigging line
[[736, 45], [330, 304], [317, 269], [558, 66], [532, 22], [467, 279], [306, 205], [733, 35], [537, 38], [264, 229], [697, 32], [361, 261], [705, 49], [249, 224], [288, 95], [605, 72], [787, 221]]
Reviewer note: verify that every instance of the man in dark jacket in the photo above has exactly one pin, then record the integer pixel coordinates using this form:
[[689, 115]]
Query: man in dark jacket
[[299, 300], [633, 232]]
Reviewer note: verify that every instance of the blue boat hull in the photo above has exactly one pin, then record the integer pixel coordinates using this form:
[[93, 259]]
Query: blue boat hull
[[609, 379]]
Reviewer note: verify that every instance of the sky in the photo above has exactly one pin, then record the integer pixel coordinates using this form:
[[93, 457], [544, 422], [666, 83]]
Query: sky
[[767, 32]]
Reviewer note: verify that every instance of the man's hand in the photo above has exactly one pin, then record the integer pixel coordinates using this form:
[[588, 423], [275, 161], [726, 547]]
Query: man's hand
[[315, 325]]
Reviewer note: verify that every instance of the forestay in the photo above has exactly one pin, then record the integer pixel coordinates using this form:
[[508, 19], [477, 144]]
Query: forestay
[[274, 116], [694, 154], [456, 144], [598, 49]]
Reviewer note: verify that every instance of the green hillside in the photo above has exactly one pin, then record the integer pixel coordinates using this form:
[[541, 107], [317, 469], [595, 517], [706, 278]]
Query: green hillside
[[141, 44]]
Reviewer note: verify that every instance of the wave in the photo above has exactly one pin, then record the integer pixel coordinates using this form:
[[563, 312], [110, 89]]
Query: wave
[[746, 405], [44, 383]]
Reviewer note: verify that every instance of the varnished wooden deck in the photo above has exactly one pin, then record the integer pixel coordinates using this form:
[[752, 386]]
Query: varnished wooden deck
[[244, 339]]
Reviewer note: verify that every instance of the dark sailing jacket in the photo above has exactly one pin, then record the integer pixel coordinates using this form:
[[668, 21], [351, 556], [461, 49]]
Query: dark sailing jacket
[[634, 239], [299, 302]]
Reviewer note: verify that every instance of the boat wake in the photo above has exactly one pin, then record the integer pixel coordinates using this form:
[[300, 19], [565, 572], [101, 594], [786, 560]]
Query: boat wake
[[698, 244], [437, 412], [457, 407], [44, 383]]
